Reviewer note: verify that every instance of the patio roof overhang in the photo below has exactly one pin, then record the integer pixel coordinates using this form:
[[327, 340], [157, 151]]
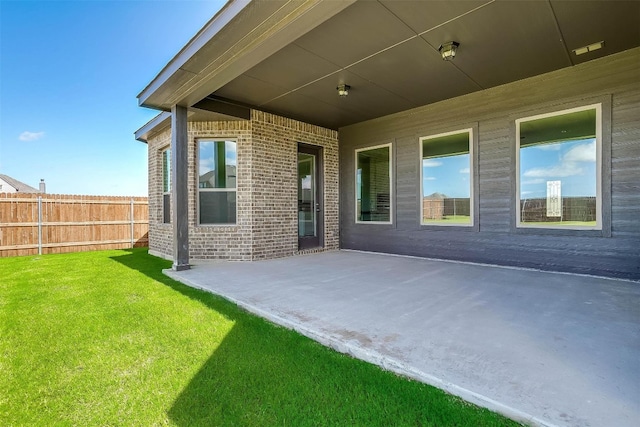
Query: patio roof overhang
[[288, 56]]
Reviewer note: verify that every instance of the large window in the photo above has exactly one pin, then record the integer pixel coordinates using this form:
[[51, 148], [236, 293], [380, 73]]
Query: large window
[[447, 173], [559, 175], [373, 184], [166, 186], [217, 182]]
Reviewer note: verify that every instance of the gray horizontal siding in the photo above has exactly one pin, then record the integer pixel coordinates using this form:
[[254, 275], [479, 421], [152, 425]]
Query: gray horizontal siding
[[495, 110], [604, 256]]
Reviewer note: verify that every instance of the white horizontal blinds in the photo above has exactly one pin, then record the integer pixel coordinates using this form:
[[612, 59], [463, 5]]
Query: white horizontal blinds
[[217, 181], [373, 184]]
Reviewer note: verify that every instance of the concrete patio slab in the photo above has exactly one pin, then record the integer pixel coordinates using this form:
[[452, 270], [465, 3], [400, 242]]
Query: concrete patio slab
[[548, 348]]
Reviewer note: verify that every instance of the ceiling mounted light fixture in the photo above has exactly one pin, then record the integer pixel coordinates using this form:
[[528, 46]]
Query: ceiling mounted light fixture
[[343, 90], [448, 50]]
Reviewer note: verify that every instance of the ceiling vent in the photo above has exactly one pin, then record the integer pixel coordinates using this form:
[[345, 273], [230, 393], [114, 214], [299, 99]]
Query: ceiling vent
[[590, 48]]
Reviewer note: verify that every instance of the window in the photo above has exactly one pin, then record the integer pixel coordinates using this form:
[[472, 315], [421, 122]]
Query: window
[[217, 182], [166, 186], [447, 173], [373, 184], [559, 174]]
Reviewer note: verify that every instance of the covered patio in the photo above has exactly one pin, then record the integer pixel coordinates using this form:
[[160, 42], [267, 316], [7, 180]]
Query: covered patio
[[547, 348]]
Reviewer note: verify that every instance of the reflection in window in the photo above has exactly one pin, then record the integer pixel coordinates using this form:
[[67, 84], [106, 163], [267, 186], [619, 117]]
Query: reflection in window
[[446, 179], [217, 182], [558, 169], [373, 184], [306, 195], [166, 186]]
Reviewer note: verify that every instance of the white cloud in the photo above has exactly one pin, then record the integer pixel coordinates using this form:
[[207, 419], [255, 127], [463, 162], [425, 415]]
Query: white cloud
[[568, 166], [581, 153], [429, 178], [30, 136], [465, 170], [533, 181], [549, 147], [230, 153], [206, 165], [561, 170], [431, 163]]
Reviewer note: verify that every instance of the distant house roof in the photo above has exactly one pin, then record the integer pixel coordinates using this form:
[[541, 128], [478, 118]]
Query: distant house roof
[[19, 186]]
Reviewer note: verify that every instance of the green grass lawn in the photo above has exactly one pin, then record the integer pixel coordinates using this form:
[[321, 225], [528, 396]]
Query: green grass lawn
[[450, 219], [105, 339], [561, 223]]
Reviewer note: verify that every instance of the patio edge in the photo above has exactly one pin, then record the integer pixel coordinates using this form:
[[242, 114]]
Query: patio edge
[[371, 356]]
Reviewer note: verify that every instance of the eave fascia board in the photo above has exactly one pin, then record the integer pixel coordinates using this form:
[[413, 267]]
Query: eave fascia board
[[229, 11], [294, 19], [142, 134]]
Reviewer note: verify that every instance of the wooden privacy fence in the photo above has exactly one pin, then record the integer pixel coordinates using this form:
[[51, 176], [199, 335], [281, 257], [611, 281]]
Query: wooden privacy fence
[[32, 224]]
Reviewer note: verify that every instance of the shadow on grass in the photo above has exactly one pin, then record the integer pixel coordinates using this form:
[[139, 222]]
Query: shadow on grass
[[265, 375], [138, 259]]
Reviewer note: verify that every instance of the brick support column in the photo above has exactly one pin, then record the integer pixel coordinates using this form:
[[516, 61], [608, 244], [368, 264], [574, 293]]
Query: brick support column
[[179, 191]]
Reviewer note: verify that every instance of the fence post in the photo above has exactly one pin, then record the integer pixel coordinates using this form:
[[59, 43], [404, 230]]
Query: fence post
[[39, 225], [131, 215]]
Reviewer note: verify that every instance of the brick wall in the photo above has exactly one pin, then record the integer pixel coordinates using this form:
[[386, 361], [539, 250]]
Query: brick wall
[[159, 234], [275, 168], [266, 224], [231, 242]]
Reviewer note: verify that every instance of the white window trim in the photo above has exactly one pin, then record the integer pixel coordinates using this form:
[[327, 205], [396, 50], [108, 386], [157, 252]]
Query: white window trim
[[471, 178], [214, 190], [391, 192], [598, 226]]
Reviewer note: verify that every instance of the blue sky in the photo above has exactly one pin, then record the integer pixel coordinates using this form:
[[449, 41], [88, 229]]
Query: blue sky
[[69, 75], [573, 163], [446, 175]]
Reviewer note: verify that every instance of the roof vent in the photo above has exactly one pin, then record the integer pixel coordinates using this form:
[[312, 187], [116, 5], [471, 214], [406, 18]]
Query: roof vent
[[590, 48]]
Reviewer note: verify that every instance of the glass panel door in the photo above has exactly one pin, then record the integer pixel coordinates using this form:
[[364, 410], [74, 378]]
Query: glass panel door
[[309, 212], [306, 195]]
